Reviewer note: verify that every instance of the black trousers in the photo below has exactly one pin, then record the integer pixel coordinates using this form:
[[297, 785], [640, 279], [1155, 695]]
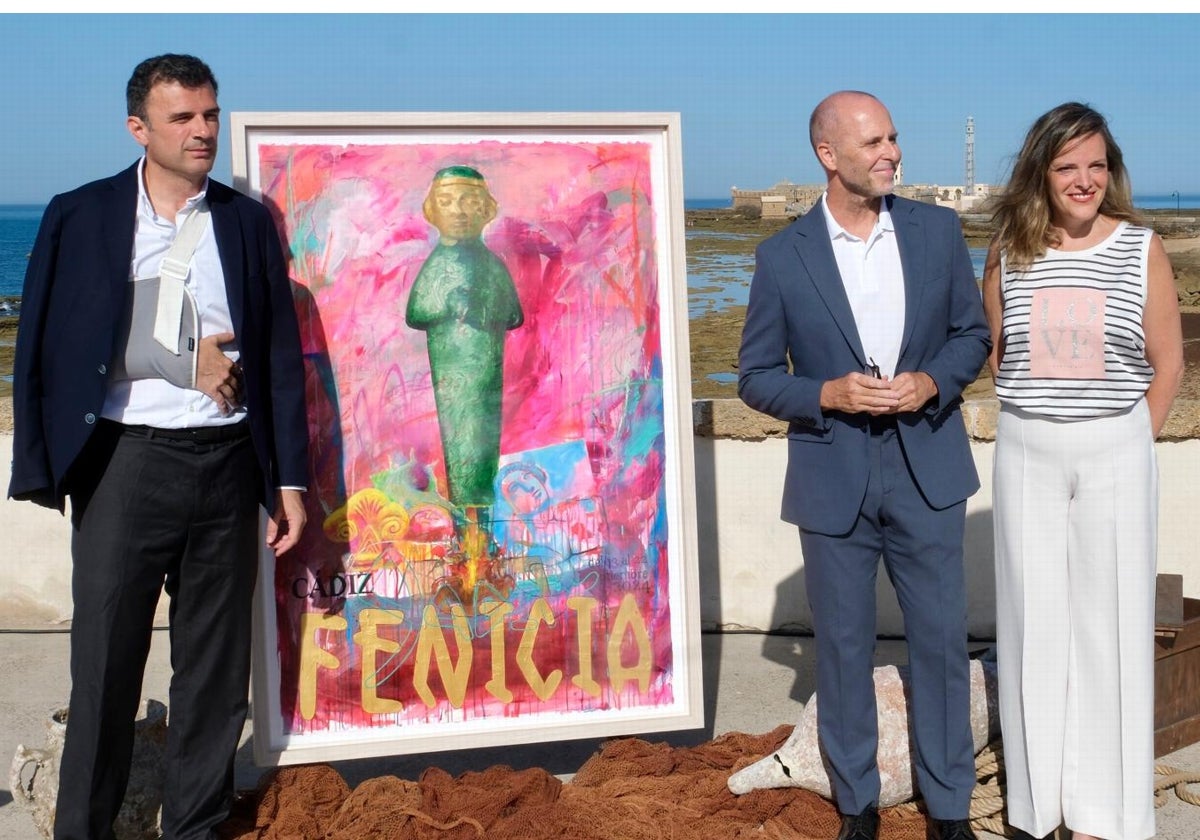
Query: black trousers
[[148, 512]]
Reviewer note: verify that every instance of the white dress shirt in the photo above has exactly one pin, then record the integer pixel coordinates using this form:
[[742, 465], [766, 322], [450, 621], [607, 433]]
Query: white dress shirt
[[874, 281], [156, 402]]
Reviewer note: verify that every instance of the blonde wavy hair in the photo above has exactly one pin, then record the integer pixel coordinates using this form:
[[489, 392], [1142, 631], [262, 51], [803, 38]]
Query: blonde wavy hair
[[1022, 215]]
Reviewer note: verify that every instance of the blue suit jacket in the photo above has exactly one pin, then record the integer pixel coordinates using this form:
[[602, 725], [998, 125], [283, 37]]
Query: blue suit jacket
[[799, 311], [75, 292]]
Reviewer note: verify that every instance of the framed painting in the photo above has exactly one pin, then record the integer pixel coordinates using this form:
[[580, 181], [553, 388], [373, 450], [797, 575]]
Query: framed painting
[[501, 544]]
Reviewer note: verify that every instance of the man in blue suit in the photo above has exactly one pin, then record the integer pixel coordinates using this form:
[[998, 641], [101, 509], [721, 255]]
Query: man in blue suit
[[872, 300], [166, 475]]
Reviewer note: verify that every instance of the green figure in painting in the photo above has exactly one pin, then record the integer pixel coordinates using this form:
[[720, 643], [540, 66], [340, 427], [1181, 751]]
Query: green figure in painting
[[465, 301]]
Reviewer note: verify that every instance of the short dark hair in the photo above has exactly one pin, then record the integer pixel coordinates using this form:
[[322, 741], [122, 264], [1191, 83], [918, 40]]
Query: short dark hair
[[187, 70]]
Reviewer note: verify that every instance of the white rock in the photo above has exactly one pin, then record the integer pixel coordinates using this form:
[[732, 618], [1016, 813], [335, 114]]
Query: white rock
[[800, 762]]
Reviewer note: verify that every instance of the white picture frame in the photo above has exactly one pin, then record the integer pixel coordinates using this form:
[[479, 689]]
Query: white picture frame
[[566, 608]]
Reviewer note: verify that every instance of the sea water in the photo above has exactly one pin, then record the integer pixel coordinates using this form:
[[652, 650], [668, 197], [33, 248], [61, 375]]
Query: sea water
[[18, 228], [715, 281]]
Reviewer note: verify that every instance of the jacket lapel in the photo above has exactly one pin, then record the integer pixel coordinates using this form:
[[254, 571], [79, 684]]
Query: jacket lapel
[[911, 241], [228, 233], [816, 254], [118, 229]]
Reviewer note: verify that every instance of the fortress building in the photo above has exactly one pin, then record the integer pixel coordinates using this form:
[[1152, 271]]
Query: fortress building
[[788, 200]]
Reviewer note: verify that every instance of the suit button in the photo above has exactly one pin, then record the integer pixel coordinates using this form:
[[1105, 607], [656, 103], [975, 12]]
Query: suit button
[[103, 369], [89, 418]]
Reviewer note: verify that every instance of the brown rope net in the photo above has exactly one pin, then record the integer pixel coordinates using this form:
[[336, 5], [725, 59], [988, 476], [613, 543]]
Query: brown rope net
[[630, 790]]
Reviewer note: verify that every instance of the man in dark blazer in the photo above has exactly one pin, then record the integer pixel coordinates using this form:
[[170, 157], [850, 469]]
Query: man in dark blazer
[[165, 479], [872, 300]]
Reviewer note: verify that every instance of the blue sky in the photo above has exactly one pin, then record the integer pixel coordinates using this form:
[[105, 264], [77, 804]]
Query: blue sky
[[744, 84]]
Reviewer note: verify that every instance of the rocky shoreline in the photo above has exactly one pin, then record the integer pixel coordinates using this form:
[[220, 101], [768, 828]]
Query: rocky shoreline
[[714, 337]]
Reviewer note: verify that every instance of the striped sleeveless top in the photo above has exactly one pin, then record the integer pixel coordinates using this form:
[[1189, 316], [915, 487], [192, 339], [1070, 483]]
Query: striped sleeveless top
[[1072, 329]]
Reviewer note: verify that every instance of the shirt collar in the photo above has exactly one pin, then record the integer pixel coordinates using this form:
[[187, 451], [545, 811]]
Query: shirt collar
[[836, 231], [144, 197]]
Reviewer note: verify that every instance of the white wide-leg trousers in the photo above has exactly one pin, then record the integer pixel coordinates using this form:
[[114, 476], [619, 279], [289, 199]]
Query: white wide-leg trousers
[[1076, 509]]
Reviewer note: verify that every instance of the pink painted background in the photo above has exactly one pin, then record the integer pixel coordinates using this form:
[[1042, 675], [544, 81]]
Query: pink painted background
[[582, 409]]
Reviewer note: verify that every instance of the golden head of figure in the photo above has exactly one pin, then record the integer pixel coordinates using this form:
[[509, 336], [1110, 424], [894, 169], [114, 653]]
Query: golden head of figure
[[459, 204]]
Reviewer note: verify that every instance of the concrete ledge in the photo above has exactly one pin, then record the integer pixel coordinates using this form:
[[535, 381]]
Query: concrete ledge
[[733, 419]]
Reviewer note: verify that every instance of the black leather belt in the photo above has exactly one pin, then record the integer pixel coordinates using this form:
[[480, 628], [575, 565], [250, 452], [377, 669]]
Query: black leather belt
[[197, 434], [881, 423]]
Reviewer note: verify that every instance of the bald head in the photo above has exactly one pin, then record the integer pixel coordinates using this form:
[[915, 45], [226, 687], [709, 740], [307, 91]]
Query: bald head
[[855, 142], [827, 118]]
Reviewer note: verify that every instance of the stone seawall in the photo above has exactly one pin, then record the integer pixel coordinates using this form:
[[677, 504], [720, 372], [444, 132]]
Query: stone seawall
[[750, 564], [734, 419]]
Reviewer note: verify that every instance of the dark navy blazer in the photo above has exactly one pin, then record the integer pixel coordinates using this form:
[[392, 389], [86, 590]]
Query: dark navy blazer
[[75, 291], [799, 311]]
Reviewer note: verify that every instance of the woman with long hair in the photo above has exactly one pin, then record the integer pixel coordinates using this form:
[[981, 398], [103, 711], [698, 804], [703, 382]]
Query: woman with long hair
[[1087, 357]]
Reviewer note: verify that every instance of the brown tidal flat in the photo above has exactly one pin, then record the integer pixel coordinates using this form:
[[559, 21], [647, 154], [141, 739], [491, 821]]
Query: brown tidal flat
[[715, 336]]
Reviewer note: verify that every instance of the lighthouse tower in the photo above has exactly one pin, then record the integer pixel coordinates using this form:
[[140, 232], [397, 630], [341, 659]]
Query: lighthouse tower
[[969, 180]]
